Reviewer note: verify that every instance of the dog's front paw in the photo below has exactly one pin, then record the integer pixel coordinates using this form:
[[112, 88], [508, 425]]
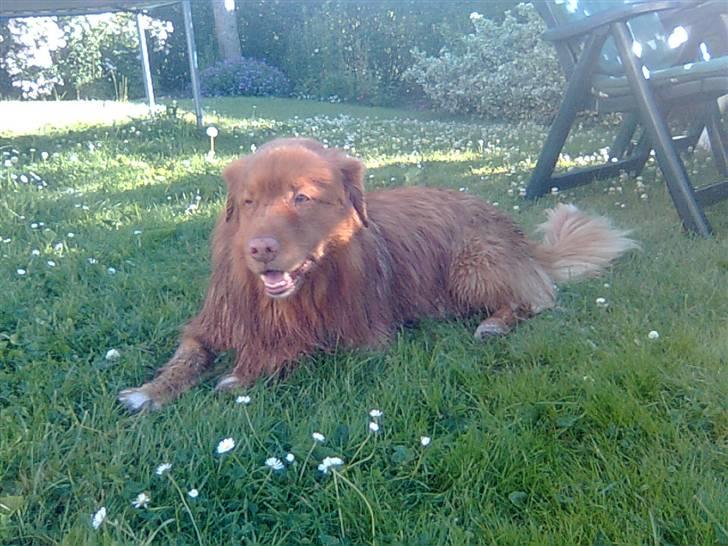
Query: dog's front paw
[[490, 328], [136, 400]]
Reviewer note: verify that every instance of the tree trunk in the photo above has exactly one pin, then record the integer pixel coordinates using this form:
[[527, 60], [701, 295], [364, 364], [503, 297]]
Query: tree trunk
[[226, 29]]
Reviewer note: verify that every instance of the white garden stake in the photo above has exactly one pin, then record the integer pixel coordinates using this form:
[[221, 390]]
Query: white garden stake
[[212, 133]]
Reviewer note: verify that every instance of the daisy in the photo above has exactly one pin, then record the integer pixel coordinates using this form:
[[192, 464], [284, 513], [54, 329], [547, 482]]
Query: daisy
[[141, 500], [318, 437], [330, 463], [98, 518], [225, 445], [162, 468], [374, 427], [111, 354], [425, 441], [274, 463]]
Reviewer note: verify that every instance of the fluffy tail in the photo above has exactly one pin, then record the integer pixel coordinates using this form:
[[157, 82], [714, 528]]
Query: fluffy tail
[[576, 246]]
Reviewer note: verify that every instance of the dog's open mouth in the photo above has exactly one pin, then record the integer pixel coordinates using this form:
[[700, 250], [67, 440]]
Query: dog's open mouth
[[281, 284]]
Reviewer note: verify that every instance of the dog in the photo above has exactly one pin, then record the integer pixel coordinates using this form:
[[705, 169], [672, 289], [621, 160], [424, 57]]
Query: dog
[[304, 260]]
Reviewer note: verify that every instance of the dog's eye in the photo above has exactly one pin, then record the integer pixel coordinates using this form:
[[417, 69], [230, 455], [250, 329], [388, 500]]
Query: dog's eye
[[301, 198]]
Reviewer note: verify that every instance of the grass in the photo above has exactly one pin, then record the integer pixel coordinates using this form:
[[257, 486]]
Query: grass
[[575, 429]]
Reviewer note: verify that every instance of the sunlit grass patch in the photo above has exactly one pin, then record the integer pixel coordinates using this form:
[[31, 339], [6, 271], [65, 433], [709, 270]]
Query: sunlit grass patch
[[580, 427]]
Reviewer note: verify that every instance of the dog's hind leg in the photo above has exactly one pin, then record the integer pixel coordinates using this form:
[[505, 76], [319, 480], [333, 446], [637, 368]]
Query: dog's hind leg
[[179, 374], [498, 276], [502, 321]]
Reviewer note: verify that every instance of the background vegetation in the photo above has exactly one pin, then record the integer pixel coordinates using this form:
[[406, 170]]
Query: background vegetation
[[335, 50]]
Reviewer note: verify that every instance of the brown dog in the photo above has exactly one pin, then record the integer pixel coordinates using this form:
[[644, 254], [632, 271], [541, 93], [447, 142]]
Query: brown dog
[[303, 261]]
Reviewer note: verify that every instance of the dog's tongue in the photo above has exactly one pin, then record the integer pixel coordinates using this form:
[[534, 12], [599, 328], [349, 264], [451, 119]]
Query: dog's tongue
[[275, 279]]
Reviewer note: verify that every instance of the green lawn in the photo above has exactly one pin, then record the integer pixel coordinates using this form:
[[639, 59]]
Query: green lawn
[[576, 429]]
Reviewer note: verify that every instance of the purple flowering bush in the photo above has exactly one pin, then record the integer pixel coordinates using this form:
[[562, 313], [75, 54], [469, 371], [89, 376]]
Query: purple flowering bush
[[244, 76]]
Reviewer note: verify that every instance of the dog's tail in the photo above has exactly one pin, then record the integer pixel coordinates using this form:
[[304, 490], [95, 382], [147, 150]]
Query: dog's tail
[[576, 245]]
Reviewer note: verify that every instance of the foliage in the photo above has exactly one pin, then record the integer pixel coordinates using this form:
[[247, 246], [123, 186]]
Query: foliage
[[358, 51], [244, 77], [81, 56], [353, 51], [502, 71]]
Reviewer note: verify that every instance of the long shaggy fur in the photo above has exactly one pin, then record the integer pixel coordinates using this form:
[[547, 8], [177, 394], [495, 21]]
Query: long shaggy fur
[[360, 265]]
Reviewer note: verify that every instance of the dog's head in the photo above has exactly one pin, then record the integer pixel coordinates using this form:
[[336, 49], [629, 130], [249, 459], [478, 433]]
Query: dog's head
[[288, 205]]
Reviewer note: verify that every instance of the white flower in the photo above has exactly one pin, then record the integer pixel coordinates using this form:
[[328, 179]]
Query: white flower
[[225, 445], [137, 232], [112, 354], [318, 437], [374, 427], [141, 500], [329, 463], [290, 457], [20, 271], [193, 493], [425, 441], [601, 302], [243, 399], [375, 413], [162, 468], [654, 334], [212, 132], [70, 235], [34, 225], [92, 261], [35, 252], [475, 16], [274, 463], [51, 263], [110, 270], [98, 518]]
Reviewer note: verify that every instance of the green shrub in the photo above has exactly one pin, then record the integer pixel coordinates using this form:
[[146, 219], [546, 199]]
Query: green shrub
[[502, 71]]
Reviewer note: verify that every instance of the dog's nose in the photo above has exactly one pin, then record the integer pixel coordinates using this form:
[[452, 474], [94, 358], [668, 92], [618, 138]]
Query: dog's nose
[[263, 249]]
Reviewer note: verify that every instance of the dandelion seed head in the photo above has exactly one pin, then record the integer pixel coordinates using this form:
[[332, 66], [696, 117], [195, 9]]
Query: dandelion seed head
[[290, 457], [212, 132], [193, 493], [654, 334]]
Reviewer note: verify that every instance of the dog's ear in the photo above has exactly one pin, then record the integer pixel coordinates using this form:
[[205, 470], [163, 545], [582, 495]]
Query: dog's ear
[[233, 175], [353, 174]]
